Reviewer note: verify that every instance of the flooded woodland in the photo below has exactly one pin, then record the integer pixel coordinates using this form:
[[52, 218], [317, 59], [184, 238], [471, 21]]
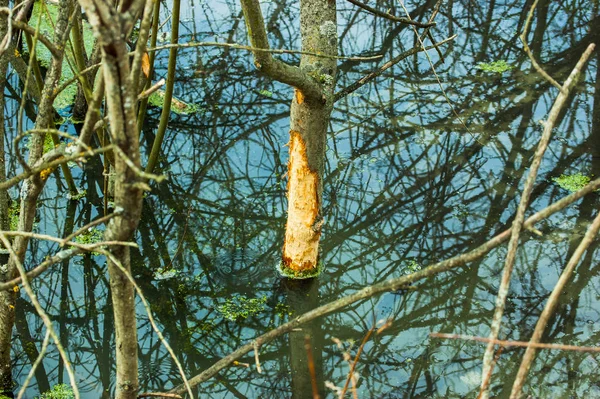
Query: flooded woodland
[[424, 162]]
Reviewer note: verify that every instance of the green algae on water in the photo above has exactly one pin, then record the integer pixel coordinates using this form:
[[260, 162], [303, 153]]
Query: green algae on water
[[572, 182], [495, 66], [240, 307]]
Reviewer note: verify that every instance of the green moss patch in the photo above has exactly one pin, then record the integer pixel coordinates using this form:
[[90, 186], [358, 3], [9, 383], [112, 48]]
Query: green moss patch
[[299, 275], [14, 211]]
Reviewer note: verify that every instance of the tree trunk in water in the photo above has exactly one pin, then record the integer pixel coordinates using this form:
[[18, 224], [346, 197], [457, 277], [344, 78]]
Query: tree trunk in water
[[309, 121], [30, 191], [110, 27]]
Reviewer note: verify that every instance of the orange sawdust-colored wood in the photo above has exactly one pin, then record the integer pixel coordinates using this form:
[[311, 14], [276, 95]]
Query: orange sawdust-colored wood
[[146, 65], [301, 246], [299, 96]]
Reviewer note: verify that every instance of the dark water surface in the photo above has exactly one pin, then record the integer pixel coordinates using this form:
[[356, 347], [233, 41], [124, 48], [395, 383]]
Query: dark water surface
[[406, 185]]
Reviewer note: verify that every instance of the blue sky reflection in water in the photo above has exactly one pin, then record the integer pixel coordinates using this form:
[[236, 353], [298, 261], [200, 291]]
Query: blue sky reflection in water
[[407, 185]]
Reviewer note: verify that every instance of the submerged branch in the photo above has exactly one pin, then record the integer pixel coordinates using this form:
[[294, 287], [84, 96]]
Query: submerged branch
[[389, 285], [521, 344]]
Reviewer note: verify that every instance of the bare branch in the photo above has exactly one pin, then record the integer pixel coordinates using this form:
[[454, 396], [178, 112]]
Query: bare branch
[[32, 31], [137, 170], [76, 77], [523, 203], [391, 17], [527, 50], [35, 365], [522, 344], [151, 89], [42, 267], [264, 62], [264, 50], [256, 348], [50, 160], [93, 223]]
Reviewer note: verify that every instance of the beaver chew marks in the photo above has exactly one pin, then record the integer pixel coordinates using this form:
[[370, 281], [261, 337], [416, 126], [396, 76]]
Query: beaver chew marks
[[302, 233]]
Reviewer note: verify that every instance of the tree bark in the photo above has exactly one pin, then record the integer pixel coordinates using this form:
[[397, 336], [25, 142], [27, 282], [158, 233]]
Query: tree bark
[[110, 28], [309, 119]]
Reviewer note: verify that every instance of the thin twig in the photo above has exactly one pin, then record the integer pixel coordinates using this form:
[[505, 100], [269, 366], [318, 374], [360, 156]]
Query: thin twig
[[256, 348], [527, 50], [7, 37], [522, 344], [460, 119], [355, 362], [90, 225], [159, 395], [168, 95], [35, 365], [57, 153], [76, 77], [391, 17], [151, 89], [84, 247], [31, 30], [75, 139], [138, 171], [42, 267], [262, 50]]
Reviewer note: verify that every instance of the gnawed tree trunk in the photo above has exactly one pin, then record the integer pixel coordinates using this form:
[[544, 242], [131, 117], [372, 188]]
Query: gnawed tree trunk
[[310, 111], [309, 121], [110, 28]]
